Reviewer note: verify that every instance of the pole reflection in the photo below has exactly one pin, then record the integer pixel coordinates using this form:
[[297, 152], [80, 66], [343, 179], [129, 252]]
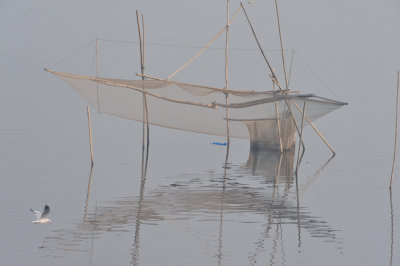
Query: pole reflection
[[197, 197]]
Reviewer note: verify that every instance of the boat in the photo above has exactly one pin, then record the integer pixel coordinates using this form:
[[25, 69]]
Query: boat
[[269, 119]]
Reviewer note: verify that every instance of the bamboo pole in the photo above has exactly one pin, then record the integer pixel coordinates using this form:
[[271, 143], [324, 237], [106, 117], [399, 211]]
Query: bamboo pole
[[290, 68], [141, 44], [282, 52], [97, 74], [247, 92], [290, 110], [222, 207], [258, 43], [281, 41], [123, 85], [396, 130], [204, 48], [90, 135], [226, 72], [278, 122], [301, 137], [145, 99], [274, 78], [312, 125]]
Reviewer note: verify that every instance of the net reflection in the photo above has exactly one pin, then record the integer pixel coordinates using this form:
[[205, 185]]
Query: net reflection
[[274, 165], [263, 187]]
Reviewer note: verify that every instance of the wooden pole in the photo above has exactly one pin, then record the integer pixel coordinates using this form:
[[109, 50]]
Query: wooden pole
[[145, 98], [204, 48], [278, 122], [90, 135], [396, 130], [281, 41], [290, 68], [301, 136], [97, 74], [258, 43], [226, 71], [312, 125], [145, 111], [274, 78]]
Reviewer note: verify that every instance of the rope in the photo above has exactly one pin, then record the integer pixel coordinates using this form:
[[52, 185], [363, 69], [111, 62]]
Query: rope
[[206, 46], [73, 53], [307, 66], [192, 46]]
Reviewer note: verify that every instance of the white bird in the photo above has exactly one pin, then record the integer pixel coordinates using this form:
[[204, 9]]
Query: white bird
[[41, 218]]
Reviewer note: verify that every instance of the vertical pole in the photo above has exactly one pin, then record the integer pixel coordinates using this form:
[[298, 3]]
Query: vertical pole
[[281, 41], [145, 98], [97, 74], [90, 135], [278, 121], [396, 130], [227, 134], [145, 111], [290, 67], [226, 71], [301, 136], [274, 78]]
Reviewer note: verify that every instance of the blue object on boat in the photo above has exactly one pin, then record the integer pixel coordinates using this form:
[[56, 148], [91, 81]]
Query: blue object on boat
[[219, 143]]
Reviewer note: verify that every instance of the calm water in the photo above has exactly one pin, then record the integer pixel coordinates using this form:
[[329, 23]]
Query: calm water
[[189, 209], [192, 207]]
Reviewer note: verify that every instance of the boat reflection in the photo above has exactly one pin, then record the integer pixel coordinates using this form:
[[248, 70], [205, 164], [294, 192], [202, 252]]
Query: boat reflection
[[207, 199]]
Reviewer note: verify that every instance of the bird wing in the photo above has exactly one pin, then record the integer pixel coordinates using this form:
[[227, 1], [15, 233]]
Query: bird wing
[[37, 214], [46, 211]]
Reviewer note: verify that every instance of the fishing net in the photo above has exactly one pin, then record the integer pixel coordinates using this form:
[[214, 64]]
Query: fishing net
[[251, 115]]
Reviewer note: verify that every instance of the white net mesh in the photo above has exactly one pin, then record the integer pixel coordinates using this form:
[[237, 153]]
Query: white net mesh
[[252, 115]]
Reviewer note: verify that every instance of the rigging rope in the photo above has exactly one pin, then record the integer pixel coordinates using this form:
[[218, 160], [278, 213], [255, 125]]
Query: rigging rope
[[73, 53], [307, 66]]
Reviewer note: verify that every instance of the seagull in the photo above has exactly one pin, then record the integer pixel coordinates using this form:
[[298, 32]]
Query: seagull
[[41, 218]]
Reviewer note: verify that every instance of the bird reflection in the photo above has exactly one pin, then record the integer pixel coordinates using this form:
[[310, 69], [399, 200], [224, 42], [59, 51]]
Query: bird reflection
[[209, 198]]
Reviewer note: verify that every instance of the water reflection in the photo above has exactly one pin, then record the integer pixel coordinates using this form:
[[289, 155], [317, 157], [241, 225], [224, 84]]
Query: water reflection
[[391, 228], [264, 187], [136, 244], [272, 164]]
